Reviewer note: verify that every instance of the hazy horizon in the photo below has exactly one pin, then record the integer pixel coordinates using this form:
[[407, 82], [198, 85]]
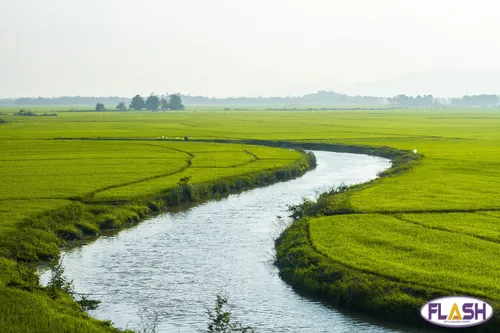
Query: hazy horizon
[[243, 48]]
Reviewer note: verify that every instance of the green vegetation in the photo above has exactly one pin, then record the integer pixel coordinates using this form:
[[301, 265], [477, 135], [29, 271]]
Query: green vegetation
[[429, 227], [74, 179], [60, 191], [25, 113], [121, 107], [154, 102], [389, 246], [220, 319], [100, 107], [28, 113], [137, 103]]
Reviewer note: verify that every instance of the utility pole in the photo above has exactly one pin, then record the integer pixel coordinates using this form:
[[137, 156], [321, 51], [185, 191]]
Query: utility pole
[[206, 88]]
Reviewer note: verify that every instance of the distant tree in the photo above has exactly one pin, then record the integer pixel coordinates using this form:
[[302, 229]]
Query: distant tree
[[137, 103], [482, 100], [152, 103], [410, 101], [164, 104], [121, 107], [176, 102], [99, 107]]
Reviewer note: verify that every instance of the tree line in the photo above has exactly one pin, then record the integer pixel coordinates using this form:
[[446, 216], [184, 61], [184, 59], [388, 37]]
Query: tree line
[[318, 98], [321, 97], [152, 102], [410, 101], [483, 100]]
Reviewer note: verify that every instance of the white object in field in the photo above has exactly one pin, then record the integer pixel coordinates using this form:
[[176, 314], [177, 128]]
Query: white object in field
[[414, 151]]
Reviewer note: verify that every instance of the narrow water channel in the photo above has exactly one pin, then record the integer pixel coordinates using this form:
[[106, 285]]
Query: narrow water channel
[[172, 266]]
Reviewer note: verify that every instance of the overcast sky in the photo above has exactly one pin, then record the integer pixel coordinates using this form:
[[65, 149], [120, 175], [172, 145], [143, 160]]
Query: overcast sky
[[251, 48]]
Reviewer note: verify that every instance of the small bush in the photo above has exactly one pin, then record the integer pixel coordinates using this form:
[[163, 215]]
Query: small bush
[[58, 282], [60, 285], [23, 112], [220, 320], [88, 304]]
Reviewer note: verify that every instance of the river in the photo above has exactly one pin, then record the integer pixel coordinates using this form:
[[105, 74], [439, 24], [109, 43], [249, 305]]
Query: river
[[172, 266]]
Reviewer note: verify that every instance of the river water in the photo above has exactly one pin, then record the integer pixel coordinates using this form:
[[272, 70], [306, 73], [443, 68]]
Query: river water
[[171, 267]]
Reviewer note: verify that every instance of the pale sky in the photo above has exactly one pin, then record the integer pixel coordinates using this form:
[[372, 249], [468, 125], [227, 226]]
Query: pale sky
[[243, 48]]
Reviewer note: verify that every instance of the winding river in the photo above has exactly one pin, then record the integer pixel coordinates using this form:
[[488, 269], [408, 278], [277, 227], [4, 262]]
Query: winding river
[[172, 266]]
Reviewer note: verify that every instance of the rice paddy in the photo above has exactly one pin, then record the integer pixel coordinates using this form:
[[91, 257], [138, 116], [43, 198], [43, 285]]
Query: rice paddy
[[432, 230]]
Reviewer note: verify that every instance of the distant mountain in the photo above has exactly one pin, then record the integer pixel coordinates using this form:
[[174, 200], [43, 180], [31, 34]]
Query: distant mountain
[[444, 82]]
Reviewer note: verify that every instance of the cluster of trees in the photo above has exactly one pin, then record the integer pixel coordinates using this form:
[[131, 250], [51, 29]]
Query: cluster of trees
[[418, 101], [153, 103], [483, 100]]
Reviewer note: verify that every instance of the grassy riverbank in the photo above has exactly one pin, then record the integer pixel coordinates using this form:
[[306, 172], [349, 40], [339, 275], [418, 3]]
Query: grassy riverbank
[[429, 228]]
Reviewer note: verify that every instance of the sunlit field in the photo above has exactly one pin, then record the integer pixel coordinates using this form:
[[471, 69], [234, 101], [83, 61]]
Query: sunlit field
[[433, 229]]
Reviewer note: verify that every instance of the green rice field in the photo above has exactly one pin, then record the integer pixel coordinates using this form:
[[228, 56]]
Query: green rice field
[[431, 230]]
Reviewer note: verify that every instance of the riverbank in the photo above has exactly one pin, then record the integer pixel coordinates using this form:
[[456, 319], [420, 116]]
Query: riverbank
[[319, 254]]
